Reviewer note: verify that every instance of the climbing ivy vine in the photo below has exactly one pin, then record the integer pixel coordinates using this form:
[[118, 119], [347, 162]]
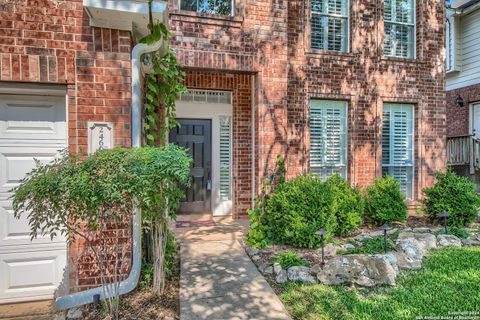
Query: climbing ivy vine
[[162, 89]]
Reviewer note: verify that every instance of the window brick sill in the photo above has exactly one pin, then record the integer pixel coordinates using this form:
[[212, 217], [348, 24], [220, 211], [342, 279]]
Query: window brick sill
[[196, 17], [400, 60]]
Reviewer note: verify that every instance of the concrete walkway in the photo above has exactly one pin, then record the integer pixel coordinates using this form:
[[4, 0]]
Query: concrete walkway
[[218, 281]]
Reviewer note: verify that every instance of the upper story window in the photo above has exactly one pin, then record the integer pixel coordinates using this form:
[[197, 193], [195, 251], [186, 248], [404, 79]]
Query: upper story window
[[399, 28], [220, 7], [330, 27]]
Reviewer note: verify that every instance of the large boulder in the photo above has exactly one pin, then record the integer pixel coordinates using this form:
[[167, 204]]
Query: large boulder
[[363, 270], [472, 240], [411, 247], [300, 274], [390, 258], [449, 240], [427, 241], [405, 262]]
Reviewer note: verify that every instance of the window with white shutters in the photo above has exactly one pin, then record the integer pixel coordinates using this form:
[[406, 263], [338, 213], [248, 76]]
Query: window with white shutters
[[225, 158], [397, 145], [328, 138], [399, 16], [329, 23]]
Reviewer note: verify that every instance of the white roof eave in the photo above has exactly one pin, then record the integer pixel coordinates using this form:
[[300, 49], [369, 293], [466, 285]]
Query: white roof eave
[[129, 15]]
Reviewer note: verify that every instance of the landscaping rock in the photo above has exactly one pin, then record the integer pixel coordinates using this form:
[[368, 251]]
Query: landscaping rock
[[372, 234], [349, 246], [472, 241], [301, 274], [405, 262], [411, 247], [392, 231], [74, 313], [277, 268], [390, 258], [256, 258], [330, 250], [268, 270], [427, 241], [363, 270], [421, 230], [282, 277], [449, 240], [315, 269], [251, 251]]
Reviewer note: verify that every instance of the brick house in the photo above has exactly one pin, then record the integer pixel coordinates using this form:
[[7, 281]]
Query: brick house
[[463, 87], [348, 87]]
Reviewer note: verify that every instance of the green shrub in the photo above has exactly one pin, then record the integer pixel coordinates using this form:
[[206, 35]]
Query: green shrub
[[297, 209], [455, 195], [289, 259], [384, 202], [458, 232], [372, 246], [348, 205]]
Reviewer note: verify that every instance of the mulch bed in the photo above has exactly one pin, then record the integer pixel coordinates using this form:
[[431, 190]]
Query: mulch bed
[[143, 304]]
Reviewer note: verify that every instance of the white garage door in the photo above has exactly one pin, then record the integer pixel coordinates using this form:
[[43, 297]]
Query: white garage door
[[31, 127]]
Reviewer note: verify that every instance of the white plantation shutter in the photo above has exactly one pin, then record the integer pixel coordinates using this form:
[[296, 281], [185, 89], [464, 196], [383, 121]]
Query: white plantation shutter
[[329, 23], [397, 144], [399, 16], [225, 157], [328, 138]]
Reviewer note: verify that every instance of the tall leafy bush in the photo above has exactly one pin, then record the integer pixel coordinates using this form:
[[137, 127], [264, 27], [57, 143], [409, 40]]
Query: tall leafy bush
[[348, 205], [297, 209], [384, 202], [83, 198], [453, 194]]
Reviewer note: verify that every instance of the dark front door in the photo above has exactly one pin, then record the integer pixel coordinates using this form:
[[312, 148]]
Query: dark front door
[[196, 136]]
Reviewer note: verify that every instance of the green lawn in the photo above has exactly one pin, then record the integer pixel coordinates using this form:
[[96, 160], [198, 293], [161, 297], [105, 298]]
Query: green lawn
[[448, 282]]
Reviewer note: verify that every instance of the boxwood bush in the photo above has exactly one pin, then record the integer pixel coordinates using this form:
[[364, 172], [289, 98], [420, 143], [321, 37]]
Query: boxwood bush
[[348, 205], [384, 202], [453, 194], [297, 209]]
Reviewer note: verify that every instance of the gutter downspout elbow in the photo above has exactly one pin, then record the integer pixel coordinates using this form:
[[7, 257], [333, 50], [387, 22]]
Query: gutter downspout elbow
[[130, 283]]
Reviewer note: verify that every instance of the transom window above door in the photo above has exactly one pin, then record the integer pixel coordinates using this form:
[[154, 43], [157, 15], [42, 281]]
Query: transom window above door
[[328, 138], [330, 25], [399, 16], [218, 7]]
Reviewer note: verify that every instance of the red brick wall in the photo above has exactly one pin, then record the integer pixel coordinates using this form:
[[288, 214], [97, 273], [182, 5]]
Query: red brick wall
[[271, 39], [50, 41], [458, 117]]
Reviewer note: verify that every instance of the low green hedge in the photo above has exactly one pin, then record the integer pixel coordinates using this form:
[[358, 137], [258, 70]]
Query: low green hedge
[[453, 194], [384, 202], [297, 209]]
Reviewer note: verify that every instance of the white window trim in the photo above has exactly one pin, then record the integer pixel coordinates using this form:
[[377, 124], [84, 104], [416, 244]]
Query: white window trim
[[232, 13], [452, 47], [413, 146], [347, 47], [413, 24], [346, 134], [212, 111]]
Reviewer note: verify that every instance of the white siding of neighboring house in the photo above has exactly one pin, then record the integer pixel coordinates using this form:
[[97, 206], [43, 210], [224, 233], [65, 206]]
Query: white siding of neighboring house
[[468, 53]]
